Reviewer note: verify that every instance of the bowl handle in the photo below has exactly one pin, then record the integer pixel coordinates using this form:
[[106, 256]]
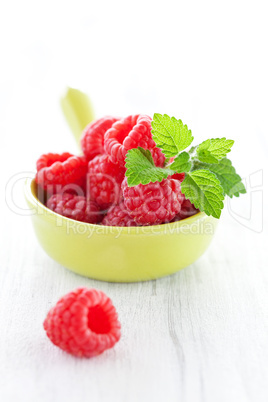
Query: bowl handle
[[78, 111]]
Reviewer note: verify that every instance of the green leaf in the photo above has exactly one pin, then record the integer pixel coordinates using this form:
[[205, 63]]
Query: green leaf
[[181, 163], [204, 190], [170, 134], [237, 189], [211, 151], [230, 181], [147, 154], [141, 168]]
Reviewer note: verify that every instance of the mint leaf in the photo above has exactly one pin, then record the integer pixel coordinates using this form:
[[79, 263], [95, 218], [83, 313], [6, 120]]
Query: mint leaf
[[237, 189], [141, 168], [170, 134], [181, 163], [230, 181], [203, 189], [147, 154], [211, 151]]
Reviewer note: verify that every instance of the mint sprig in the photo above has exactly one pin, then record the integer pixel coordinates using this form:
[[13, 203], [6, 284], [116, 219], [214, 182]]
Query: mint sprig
[[209, 175]]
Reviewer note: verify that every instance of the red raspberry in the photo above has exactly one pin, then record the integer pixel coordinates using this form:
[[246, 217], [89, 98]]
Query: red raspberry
[[55, 171], [83, 323], [75, 207], [153, 203], [93, 136], [187, 209], [158, 157], [130, 132], [178, 176], [117, 216], [47, 160], [104, 181]]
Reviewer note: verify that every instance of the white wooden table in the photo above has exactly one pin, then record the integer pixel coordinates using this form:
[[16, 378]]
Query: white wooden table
[[200, 335]]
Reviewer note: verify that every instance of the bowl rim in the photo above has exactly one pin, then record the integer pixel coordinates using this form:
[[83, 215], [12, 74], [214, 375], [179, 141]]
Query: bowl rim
[[51, 215]]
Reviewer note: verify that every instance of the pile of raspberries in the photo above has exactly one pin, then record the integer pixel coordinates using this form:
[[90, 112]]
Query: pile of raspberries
[[93, 188]]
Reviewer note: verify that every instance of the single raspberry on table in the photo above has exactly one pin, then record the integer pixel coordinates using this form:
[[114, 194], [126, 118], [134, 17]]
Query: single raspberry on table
[[54, 171], [93, 136], [75, 207], [187, 209], [153, 203], [130, 132], [104, 181], [83, 323], [118, 216]]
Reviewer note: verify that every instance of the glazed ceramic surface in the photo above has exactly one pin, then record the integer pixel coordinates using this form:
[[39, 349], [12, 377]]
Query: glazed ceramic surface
[[119, 254]]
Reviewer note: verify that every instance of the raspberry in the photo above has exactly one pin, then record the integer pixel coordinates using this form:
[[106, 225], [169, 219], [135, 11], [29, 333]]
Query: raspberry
[[47, 160], [55, 171], [178, 176], [117, 216], [130, 132], [104, 181], [158, 157], [75, 207], [153, 203], [187, 209], [93, 136], [83, 323]]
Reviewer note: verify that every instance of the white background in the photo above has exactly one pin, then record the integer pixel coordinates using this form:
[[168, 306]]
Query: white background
[[201, 335]]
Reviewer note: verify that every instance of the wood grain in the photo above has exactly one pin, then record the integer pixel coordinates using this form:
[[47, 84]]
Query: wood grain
[[199, 335]]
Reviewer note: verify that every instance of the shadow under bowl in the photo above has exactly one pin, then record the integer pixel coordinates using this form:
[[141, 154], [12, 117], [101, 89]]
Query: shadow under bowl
[[119, 254]]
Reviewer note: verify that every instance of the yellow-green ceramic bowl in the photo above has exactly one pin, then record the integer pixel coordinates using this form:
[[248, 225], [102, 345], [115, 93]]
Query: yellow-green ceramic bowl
[[119, 254]]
